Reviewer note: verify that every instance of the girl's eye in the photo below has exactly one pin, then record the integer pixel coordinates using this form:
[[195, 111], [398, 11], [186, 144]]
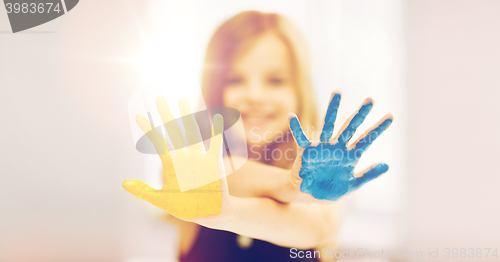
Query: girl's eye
[[234, 80], [276, 81]]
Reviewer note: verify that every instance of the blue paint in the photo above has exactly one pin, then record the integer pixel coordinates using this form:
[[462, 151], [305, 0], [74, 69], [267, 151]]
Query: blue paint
[[369, 175], [356, 121], [327, 169], [298, 133], [364, 143], [330, 117]]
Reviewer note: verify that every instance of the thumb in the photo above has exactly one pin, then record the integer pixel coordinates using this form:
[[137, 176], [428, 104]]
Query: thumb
[[140, 190]]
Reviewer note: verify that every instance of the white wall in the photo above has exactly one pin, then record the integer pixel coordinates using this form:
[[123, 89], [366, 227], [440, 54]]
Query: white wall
[[453, 144]]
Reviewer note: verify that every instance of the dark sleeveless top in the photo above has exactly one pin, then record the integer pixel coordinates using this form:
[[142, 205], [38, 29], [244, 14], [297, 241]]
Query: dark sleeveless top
[[220, 246]]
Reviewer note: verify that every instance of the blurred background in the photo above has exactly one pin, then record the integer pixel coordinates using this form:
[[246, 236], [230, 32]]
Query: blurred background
[[67, 142]]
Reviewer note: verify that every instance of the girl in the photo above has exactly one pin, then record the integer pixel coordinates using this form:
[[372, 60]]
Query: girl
[[256, 63]]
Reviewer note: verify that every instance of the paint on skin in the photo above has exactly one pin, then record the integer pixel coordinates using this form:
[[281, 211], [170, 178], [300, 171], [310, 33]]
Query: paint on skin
[[363, 144], [327, 169], [356, 121], [330, 117], [189, 125], [195, 203], [298, 133]]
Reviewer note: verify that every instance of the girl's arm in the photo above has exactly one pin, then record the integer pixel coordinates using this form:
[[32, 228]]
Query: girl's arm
[[302, 226], [255, 179], [212, 206]]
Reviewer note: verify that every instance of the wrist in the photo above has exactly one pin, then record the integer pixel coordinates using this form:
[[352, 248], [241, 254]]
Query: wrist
[[286, 189], [224, 218]]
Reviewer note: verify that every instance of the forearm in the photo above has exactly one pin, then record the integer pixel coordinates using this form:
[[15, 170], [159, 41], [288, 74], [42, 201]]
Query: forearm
[[255, 179], [291, 225]]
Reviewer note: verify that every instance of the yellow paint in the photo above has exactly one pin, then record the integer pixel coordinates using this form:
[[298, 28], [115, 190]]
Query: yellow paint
[[189, 175], [190, 163]]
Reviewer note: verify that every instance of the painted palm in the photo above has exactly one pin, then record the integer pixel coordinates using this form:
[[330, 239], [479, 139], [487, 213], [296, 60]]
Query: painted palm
[[189, 163], [326, 167]]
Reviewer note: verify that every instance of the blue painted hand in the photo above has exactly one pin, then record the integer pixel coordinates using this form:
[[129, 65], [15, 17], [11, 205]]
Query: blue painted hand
[[326, 167]]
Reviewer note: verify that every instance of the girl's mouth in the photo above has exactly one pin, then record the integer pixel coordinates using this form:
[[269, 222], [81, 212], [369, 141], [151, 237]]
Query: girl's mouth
[[256, 120]]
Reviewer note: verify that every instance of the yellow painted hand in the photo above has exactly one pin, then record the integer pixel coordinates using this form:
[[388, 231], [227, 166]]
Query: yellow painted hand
[[189, 164]]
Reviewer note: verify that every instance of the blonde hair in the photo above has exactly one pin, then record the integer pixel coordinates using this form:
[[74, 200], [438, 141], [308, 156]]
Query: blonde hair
[[237, 34]]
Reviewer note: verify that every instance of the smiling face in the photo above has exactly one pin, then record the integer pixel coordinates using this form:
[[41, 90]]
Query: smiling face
[[261, 86]]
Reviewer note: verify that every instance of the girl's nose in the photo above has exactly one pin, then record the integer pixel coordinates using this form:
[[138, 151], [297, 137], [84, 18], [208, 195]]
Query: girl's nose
[[255, 93]]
